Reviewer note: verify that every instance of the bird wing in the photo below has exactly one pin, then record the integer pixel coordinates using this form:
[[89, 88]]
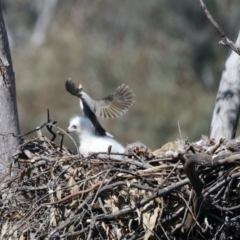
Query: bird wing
[[115, 105]]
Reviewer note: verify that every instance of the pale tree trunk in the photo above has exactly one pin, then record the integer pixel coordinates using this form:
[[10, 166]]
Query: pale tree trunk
[[9, 122], [226, 112]]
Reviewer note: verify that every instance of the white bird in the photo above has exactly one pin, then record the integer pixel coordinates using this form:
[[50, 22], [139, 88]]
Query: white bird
[[89, 141]]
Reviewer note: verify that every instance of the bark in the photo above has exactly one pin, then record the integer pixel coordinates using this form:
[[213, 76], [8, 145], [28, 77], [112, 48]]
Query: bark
[[226, 112], [9, 122]]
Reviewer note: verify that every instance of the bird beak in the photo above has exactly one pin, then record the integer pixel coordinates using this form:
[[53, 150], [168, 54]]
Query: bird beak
[[80, 86], [68, 131]]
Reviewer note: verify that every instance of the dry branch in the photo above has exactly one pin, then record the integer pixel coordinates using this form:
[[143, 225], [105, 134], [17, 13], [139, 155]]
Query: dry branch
[[225, 40]]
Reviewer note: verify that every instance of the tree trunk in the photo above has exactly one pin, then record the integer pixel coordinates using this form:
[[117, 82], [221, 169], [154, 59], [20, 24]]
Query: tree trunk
[[226, 112], [9, 123]]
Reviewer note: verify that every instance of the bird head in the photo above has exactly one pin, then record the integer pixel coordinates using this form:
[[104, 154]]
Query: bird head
[[79, 125], [74, 125]]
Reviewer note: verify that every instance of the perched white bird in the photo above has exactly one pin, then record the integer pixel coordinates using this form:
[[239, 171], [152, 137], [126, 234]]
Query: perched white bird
[[112, 106], [89, 141]]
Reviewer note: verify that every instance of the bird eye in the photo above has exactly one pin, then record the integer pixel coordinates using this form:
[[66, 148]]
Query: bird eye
[[74, 126]]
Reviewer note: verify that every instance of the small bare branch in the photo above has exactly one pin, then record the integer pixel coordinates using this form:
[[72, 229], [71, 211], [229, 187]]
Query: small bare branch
[[225, 40]]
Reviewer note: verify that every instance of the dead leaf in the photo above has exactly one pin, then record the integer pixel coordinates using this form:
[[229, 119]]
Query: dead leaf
[[53, 221], [55, 216], [4, 229], [22, 237], [149, 220], [52, 172], [73, 189], [59, 192], [105, 227], [114, 204]]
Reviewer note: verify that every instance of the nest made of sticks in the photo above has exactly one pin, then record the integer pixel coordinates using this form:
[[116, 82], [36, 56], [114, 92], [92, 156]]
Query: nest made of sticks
[[181, 191]]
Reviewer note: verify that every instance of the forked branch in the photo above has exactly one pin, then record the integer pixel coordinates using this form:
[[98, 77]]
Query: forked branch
[[225, 40]]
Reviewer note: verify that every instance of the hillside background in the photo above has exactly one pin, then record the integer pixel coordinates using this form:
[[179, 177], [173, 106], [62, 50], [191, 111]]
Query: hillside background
[[165, 50]]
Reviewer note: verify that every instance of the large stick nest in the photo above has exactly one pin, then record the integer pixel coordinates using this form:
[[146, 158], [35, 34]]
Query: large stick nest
[[181, 191]]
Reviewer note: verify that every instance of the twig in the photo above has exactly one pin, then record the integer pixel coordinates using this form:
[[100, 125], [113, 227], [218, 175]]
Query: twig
[[190, 210], [139, 164], [225, 40], [180, 132], [169, 175], [95, 197], [61, 141], [160, 193], [68, 136], [76, 194], [216, 146], [184, 216], [91, 227], [49, 127], [227, 209], [227, 179], [164, 231]]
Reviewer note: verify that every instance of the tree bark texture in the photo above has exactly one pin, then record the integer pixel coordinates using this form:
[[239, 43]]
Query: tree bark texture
[[226, 112], [9, 123]]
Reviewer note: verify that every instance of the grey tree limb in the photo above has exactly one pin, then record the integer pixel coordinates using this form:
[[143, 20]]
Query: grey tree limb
[[226, 112], [225, 40], [9, 122]]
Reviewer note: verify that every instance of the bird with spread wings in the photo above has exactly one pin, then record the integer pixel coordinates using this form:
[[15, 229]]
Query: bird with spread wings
[[115, 105]]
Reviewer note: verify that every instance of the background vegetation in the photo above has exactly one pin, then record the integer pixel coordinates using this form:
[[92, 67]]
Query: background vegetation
[[166, 51]]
